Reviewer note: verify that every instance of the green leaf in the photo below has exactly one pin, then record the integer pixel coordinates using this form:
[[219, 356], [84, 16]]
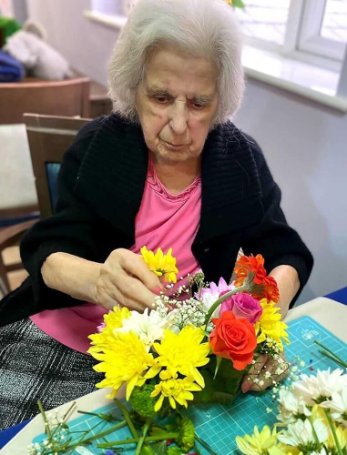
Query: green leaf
[[238, 4], [219, 360]]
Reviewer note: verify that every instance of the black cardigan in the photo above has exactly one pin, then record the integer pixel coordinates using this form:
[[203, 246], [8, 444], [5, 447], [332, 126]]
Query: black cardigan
[[100, 189]]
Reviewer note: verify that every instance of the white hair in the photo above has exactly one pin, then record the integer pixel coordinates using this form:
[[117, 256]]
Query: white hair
[[204, 28]]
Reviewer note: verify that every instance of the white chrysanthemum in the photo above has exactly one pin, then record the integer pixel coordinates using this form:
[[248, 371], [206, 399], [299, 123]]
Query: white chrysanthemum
[[148, 326], [304, 433], [337, 406], [322, 451], [291, 405], [324, 384]]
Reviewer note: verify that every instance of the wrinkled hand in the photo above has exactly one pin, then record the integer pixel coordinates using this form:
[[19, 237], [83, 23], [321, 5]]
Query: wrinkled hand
[[264, 372], [125, 280]]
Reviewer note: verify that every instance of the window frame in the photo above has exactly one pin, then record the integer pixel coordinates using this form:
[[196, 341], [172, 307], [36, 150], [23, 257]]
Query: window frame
[[302, 38], [310, 39]]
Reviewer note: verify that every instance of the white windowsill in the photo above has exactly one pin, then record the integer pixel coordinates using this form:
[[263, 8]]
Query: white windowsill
[[114, 21], [303, 79]]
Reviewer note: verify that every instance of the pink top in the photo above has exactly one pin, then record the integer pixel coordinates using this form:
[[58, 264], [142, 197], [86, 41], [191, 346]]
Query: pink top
[[162, 221]]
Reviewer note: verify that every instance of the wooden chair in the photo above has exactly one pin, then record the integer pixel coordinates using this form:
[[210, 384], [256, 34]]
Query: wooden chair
[[49, 137], [65, 98]]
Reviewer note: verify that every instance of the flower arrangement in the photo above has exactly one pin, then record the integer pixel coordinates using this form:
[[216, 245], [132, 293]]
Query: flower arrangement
[[312, 419], [196, 346]]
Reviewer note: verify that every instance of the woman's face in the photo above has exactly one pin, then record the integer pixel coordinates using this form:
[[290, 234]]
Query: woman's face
[[176, 103]]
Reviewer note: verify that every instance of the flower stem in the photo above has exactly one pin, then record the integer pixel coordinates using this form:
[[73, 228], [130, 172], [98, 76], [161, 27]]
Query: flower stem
[[333, 431], [204, 445], [161, 437], [101, 415], [328, 353], [126, 415], [221, 300], [45, 420], [105, 432], [142, 438]]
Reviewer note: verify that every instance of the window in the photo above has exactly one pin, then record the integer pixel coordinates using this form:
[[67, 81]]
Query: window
[[285, 32], [316, 27]]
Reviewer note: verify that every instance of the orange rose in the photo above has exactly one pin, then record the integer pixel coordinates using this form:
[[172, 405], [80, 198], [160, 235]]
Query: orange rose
[[233, 339]]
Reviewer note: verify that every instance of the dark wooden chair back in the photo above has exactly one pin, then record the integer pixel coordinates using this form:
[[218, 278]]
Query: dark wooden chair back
[[67, 98], [49, 137]]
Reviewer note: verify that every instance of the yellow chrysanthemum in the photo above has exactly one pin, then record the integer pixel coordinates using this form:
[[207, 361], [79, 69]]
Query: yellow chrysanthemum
[[341, 434], [270, 324], [257, 443], [163, 265], [112, 320], [176, 390], [123, 360], [182, 353]]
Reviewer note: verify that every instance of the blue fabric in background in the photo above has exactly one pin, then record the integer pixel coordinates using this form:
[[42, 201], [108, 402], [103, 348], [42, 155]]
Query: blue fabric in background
[[9, 433], [11, 70], [340, 295]]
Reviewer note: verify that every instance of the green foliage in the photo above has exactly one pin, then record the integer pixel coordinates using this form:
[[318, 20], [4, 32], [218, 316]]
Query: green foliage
[[186, 434], [238, 4], [141, 401], [222, 386]]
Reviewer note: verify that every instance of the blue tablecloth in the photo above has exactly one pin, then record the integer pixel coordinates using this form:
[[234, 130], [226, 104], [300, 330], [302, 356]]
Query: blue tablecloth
[[339, 295], [7, 435]]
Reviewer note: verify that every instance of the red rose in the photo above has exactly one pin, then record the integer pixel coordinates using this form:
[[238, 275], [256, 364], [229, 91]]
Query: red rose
[[233, 339]]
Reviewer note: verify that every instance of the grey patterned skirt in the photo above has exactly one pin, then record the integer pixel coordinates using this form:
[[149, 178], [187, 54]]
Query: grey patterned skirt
[[34, 366]]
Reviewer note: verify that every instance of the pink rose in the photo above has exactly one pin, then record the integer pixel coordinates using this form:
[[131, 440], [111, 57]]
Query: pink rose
[[243, 306]]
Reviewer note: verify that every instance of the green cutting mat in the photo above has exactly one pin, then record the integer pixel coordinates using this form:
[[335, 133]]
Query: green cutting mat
[[218, 425]]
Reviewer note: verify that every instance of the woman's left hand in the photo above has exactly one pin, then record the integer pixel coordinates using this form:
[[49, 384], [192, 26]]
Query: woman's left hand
[[265, 372]]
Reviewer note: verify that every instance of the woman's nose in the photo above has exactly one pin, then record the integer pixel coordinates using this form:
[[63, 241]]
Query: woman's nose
[[179, 117]]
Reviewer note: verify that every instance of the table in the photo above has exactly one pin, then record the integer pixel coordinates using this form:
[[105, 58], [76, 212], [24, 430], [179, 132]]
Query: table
[[329, 313]]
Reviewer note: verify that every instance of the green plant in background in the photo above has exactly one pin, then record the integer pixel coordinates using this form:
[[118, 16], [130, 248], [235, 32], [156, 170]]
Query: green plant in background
[[236, 3]]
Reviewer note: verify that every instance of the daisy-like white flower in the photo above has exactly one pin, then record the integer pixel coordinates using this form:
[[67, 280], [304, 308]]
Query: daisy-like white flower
[[337, 406], [148, 326], [303, 433], [324, 384], [291, 406]]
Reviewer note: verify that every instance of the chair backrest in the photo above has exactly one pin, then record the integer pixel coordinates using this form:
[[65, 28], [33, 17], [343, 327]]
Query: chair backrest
[[68, 98], [49, 137]]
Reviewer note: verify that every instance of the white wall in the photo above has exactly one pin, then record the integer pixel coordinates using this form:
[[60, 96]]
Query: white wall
[[305, 145], [85, 44], [304, 142]]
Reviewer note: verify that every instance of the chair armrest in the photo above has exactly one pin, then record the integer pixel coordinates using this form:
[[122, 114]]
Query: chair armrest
[[12, 234]]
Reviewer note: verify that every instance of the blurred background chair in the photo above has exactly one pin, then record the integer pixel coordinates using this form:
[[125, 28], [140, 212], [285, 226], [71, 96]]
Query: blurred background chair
[[18, 197], [69, 97], [49, 137]]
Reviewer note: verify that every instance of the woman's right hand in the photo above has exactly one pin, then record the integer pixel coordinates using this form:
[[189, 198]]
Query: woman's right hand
[[124, 279]]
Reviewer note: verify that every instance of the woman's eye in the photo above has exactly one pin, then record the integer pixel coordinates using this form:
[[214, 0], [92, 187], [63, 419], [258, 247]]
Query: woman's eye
[[198, 105], [162, 99]]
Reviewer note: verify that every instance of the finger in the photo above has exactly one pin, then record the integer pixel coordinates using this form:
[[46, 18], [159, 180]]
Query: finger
[[134, 290], [114, 296], [274, 370], [278, 367], [253, 373], [136, 266], [133, 293]]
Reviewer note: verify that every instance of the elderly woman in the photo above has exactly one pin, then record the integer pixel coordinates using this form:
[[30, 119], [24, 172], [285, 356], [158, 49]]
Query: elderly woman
[[167, 169]]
